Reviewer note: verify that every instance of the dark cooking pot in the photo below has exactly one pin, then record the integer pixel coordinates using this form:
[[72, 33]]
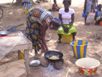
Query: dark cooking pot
[[53, 56]]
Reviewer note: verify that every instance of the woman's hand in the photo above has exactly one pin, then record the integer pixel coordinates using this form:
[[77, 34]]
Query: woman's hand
[[66, 29], [70, 23]]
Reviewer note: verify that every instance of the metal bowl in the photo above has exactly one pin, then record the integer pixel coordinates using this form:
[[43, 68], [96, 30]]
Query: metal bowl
[[35, 63], [3, 33]]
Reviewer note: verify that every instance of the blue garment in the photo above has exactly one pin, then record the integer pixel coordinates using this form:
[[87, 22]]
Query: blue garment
[[98, 13], [87, 8], [27, 4], [98, 10], [56, 20]]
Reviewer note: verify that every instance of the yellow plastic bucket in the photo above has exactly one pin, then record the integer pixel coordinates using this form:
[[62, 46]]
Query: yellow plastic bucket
[[67, 38], [21, 54]]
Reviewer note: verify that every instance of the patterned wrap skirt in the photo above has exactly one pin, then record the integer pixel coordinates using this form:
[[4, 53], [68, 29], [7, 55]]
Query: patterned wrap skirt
[[72, 29]]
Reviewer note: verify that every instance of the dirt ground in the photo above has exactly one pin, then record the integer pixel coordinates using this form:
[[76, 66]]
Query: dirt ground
[[14, 15]]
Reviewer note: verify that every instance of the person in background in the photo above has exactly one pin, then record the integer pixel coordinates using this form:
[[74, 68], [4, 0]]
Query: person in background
[[55, 6], [87, 9], [66, 16], [89, 6], [38, 20], [94, 5], [45, 0], [98, 14], [27, 4]]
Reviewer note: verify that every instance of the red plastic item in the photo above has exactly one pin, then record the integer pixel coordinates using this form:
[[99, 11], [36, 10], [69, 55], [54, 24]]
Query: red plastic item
[[100, 23], [3, 35]]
